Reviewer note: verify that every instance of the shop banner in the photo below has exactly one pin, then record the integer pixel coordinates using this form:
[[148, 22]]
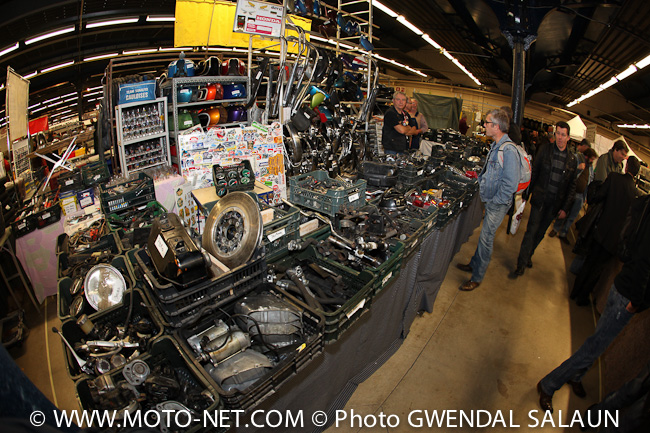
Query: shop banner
[[258, 18]]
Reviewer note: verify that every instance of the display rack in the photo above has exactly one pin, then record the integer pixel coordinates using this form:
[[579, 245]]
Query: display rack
[[142, 135]]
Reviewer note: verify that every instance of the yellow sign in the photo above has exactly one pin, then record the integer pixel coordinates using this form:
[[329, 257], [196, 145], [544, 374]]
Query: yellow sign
[[210, 23]]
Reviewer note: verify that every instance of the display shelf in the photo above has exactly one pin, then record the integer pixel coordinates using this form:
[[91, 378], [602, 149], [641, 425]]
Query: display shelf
[[140, 124], [211, 102]]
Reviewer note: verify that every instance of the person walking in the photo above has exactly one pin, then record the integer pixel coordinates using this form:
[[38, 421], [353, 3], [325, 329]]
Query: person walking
[[617, 194], [630, 294], [498, 182], [552, 185], [611, 161]]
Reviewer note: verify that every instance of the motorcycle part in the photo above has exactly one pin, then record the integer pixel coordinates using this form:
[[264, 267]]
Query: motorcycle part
[[279, 322], [136, 372], [85, 324], [181, 67], [233, 67], [240, 371], [82, 363], [105, 287], [173, 252], [234, 91], [218, 343], [233, 229]]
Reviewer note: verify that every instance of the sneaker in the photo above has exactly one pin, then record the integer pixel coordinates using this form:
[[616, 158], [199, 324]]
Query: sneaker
[[552, 233]]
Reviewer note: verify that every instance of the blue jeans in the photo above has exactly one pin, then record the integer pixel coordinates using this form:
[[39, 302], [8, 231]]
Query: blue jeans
[[562, 226], [494, 214], [611, 323]]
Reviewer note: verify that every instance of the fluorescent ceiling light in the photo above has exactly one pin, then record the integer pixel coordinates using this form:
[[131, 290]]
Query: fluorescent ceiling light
[[435, 44], [642, 64], [70, 100], [385, 9], [59, 66], [159, 18], [634, 126], [101, 56], [112, 22], [28, 76], [144, 51], [572, 103], [608, 84], [175, 49], [90, 89], [239, 50], [29, 108], [409, 26], [39, 109], [50, 35], [447, 55], [50, 100], [93, 93], [346, 46], [626, 73], [9, 49], [318, 38]]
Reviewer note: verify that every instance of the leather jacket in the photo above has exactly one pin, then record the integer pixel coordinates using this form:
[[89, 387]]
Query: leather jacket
[[542, 173]]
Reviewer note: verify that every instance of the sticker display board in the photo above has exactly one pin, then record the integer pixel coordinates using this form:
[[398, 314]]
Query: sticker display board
[[262, 145], [258, 18]]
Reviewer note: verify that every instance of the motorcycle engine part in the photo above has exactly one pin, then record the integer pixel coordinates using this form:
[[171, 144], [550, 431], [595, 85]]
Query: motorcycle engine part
[[77, 306], [85, 324], [218, 343], [293, 142], [117, 360], [279, 322], [236, 114], [162, 388], [234, 91], [102, 384], [240, 371], [102, 365], [233, 229], [174, 253], [233, 67], [77, 286], [136, 372], [105, 287]]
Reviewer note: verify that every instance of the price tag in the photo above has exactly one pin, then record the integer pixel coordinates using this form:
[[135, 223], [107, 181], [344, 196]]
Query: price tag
[[354, 197], [69, 182], [277, 235], [386, 279], [420, 172], [97, 176], [46, 215], [21, 226], [161, 246], [356, 308]]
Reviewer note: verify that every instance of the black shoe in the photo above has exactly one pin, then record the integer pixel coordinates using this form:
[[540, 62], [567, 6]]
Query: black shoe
[[545, 400], [552, 233], [565, 240], [519, 271], [530, 263], [463, 267], [577, 388]]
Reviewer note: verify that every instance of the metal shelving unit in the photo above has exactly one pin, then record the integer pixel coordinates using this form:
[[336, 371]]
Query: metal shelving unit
[[142, 135]]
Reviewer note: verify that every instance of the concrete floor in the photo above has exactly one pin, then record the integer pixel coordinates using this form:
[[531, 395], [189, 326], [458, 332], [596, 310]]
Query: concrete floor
[[481, 350]]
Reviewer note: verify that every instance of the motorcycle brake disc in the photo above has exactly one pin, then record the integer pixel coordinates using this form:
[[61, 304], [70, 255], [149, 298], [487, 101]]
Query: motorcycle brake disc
[[233, 229]]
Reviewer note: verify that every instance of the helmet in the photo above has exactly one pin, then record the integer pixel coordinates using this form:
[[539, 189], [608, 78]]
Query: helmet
[[185, 120], [233, 67], [234, 91], [184, 95], [236, 113], [210, 116]]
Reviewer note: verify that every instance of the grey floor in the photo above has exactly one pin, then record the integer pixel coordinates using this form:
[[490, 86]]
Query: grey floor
[[482, 350]]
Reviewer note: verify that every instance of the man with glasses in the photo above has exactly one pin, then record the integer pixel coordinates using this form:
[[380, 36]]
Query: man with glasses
[[396, 129], [498, 183], [553, 186]]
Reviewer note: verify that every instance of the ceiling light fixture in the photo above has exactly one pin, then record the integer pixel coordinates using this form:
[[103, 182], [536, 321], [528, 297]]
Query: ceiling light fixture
[[100, 57], [634, 126], [114, 22], [50, 35], [409, 25], [93, 93], [641, 64], [9, 49], [143, 51], [435, 44], [626, 73], [59, 66], [609, 83], [90, 89], [28, 76], [161, 18], [175, 49], [384, 9], [318, 38]]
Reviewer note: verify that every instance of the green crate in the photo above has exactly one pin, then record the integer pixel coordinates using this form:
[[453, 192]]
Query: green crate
[[284, 228], [117, 222], [95, 174], [363, 282], [343, 196], [124, 195]]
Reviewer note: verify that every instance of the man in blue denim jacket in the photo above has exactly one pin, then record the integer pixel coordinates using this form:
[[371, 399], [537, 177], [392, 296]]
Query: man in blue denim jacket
[[498, 183]]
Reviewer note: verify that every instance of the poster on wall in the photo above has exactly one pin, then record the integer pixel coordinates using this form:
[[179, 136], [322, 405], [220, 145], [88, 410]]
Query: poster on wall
[[258, 18]]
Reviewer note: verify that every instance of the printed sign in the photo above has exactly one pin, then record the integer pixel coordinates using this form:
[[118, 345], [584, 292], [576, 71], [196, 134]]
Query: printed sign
[[258, 18]]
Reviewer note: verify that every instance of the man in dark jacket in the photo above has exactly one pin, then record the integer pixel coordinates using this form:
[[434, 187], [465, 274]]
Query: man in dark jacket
[[629, 294], [617, 194], [552, 185]]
